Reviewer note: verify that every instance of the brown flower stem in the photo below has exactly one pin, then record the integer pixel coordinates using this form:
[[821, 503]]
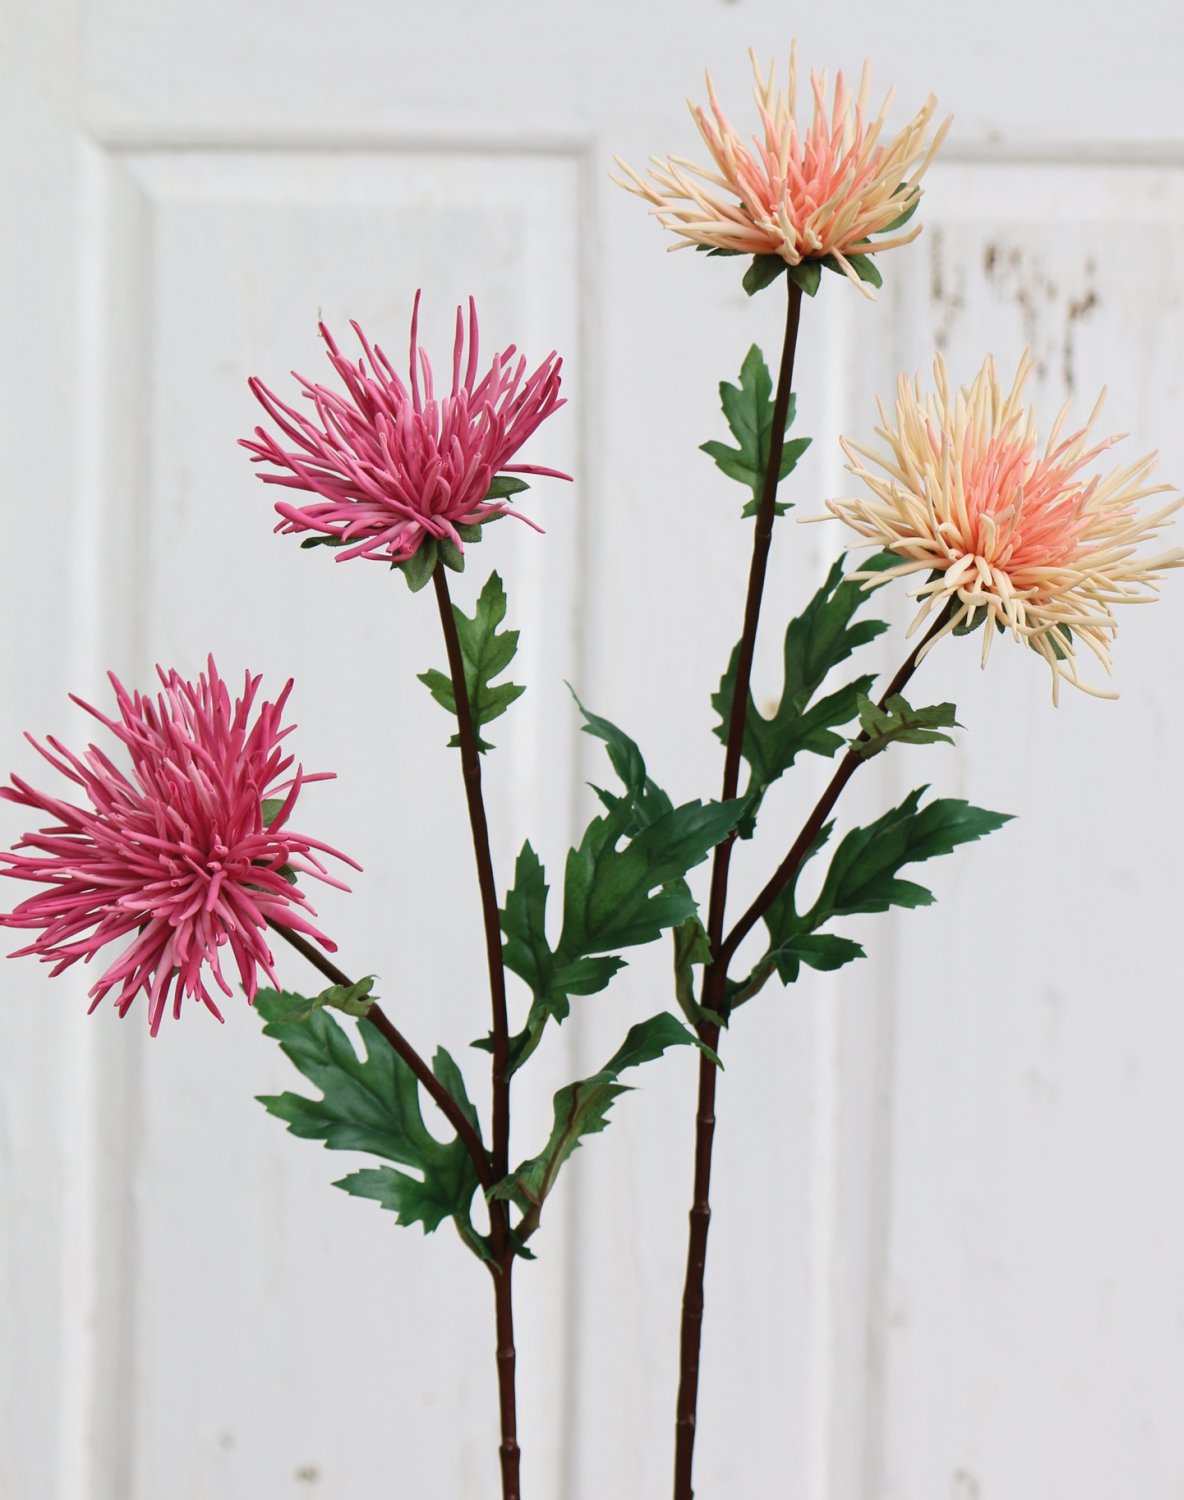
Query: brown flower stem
[[503, 1252], [791, 864], [716, 972], [378, 1018]]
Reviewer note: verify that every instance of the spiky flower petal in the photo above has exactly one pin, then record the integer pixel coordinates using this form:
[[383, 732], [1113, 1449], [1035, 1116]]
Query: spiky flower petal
[[176, 851], [801, 196], [1024, 539], [395, 464]]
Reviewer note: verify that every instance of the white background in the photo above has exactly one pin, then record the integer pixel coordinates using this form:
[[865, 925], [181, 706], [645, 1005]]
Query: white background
[[947, 1258]]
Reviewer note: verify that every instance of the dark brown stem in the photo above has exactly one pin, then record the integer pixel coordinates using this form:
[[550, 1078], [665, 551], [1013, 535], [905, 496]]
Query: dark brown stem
[[791, 864], [503, 1253], [716, 972], [378, 1018]]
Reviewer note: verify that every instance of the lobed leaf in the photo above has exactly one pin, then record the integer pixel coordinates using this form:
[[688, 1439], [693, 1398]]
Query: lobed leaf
[[371, 1103], [816, 641], [748, 409], [899, 721], [486, 652]]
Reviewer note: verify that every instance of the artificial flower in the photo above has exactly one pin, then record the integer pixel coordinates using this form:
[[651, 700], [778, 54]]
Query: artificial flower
[[176, 850], [1026, 540], [392, 465]]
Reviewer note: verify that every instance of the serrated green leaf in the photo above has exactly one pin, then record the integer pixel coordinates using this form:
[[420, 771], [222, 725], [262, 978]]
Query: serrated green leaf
[[763, 271], [617, 898], [486, 652], [419, 567], [371, 1103], [816, 641], [899, 721], [623, 885], [748, 409], [864, 877], [581, 1109], [806, 275], [863, 874]]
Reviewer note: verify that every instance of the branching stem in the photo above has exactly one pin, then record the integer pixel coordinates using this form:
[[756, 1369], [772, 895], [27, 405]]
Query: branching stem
[[716, 972]]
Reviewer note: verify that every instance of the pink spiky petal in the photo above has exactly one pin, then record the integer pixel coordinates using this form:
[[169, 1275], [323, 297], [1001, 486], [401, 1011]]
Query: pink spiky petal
[[172, 851]]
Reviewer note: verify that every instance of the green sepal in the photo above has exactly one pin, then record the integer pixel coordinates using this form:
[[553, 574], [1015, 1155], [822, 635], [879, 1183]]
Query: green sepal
[[763, 272], [471, 533], [269, 809], [816, 641], [748, 409], [863, 266], [486, 651], [450, 554], [419, 567], [902, 219], [501, 486], [352, 999], [581, 1109], [718, 250], [899, 721], [326, 541], [807, 276], [371, 1103]]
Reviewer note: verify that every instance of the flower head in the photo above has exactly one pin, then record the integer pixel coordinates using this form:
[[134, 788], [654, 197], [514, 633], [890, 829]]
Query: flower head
[[178, 851], [1041, 548], [393, 465], [801, 196]]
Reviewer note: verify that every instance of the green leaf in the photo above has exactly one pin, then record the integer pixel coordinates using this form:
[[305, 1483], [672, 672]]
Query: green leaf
[[503, 485], [353, 999], [763, 271], [371, 1103], [748, 408], [807, 275], [419, 567], [816, 641], [899, 721], [617, 898], [581, 1109], [614, 897], [864, 876], [486, 652]]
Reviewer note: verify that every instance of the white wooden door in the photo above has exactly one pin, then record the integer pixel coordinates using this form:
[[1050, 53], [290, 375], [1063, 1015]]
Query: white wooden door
[[949, 1223]]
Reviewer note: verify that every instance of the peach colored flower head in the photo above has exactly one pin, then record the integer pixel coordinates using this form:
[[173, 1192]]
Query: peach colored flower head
[[392, 465], [1022, 539], [176, 852], [806, 196]]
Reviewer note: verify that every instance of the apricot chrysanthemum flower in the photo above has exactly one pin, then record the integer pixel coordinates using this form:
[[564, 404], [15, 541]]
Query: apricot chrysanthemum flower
[[178, 851], [964, 495], [802, 197], [395, 464]]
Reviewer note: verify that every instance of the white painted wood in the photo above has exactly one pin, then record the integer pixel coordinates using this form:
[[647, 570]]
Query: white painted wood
[[948, 1230]]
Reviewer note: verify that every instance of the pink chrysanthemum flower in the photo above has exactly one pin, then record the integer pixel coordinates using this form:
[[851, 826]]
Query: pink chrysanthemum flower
[[176, 852], [1040, 548], [802, 197], [396, 464]]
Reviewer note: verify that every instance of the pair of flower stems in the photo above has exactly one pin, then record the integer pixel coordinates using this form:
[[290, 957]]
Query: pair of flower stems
[[493, 1165]]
